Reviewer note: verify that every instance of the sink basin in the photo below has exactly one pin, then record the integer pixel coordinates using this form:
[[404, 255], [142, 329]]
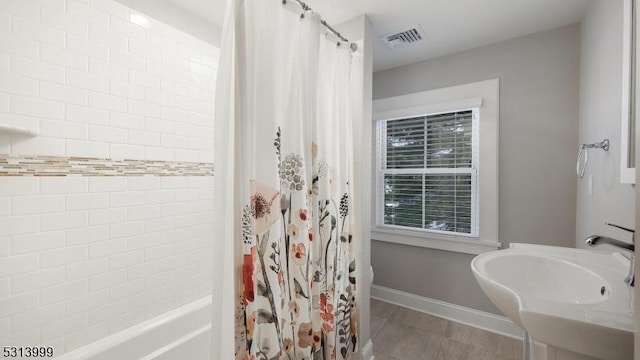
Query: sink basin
[[547, 278], [571, 299]]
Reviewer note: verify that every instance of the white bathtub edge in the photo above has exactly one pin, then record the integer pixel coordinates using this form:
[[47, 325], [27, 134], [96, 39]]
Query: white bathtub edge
[[114, 340], [177, 343]]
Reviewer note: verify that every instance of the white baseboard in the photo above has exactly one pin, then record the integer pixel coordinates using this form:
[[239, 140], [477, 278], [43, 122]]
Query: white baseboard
[[478, 319], [367, 351]]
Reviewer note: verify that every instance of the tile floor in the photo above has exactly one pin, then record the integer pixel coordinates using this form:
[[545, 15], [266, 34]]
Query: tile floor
[[402, 334]]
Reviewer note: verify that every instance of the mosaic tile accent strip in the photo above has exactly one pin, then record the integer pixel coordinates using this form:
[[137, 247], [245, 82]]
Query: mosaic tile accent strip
[[37, 165]]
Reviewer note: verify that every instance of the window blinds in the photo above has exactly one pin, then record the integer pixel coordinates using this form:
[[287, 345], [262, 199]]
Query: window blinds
[[427, 168]]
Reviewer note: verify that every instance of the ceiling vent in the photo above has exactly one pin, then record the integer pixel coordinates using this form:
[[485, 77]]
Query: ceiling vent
[[404, 38]]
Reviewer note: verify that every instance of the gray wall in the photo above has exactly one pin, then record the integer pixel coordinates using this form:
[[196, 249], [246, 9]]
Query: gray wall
[[539, 79], [600, 111]]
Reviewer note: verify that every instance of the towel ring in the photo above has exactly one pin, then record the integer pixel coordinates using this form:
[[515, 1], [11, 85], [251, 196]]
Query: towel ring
[[584, 149], [581, 169]]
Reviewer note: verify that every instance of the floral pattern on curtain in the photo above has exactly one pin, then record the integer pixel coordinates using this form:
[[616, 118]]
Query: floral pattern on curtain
[[298, 272]]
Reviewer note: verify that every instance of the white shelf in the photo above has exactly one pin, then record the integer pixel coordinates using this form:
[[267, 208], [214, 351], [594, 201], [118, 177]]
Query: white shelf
[[14, 130]]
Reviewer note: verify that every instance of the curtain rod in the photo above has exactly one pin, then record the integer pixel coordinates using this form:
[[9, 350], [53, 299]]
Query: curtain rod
[[306, 7]]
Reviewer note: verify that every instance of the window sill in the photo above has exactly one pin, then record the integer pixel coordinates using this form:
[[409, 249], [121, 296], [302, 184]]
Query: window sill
[[458, 244]]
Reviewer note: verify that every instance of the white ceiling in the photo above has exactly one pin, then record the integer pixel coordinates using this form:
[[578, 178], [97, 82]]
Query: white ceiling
[[450, 25], [209, 10]]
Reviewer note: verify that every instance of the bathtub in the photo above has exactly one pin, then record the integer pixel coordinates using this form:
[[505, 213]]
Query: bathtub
[[183, 333]]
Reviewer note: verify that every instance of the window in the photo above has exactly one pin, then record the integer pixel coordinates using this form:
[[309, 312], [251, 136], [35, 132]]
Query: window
[[427, 172], [436, 168]]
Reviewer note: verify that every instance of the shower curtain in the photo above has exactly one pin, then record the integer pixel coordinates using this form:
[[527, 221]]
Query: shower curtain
[[283, 187]]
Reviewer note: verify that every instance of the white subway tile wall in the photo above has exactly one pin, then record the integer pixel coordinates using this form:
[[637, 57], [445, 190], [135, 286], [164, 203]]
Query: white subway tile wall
[[73, 68], [84, 257], [113, 250]]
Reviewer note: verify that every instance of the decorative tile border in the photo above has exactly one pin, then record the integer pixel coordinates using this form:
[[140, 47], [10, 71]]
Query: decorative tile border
[[39, 165]]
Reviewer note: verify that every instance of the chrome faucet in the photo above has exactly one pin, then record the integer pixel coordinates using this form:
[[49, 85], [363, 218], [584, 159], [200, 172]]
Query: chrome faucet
[[598, 239]]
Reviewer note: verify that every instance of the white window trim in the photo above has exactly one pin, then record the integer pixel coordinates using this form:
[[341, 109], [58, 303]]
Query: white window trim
[[627, 173], [485, 96]]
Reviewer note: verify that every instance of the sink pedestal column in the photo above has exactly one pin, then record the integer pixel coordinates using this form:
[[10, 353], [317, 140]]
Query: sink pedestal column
[[548, 352]]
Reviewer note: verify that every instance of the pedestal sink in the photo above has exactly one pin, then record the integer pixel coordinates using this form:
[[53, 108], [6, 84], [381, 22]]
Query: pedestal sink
[[570, 299]]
